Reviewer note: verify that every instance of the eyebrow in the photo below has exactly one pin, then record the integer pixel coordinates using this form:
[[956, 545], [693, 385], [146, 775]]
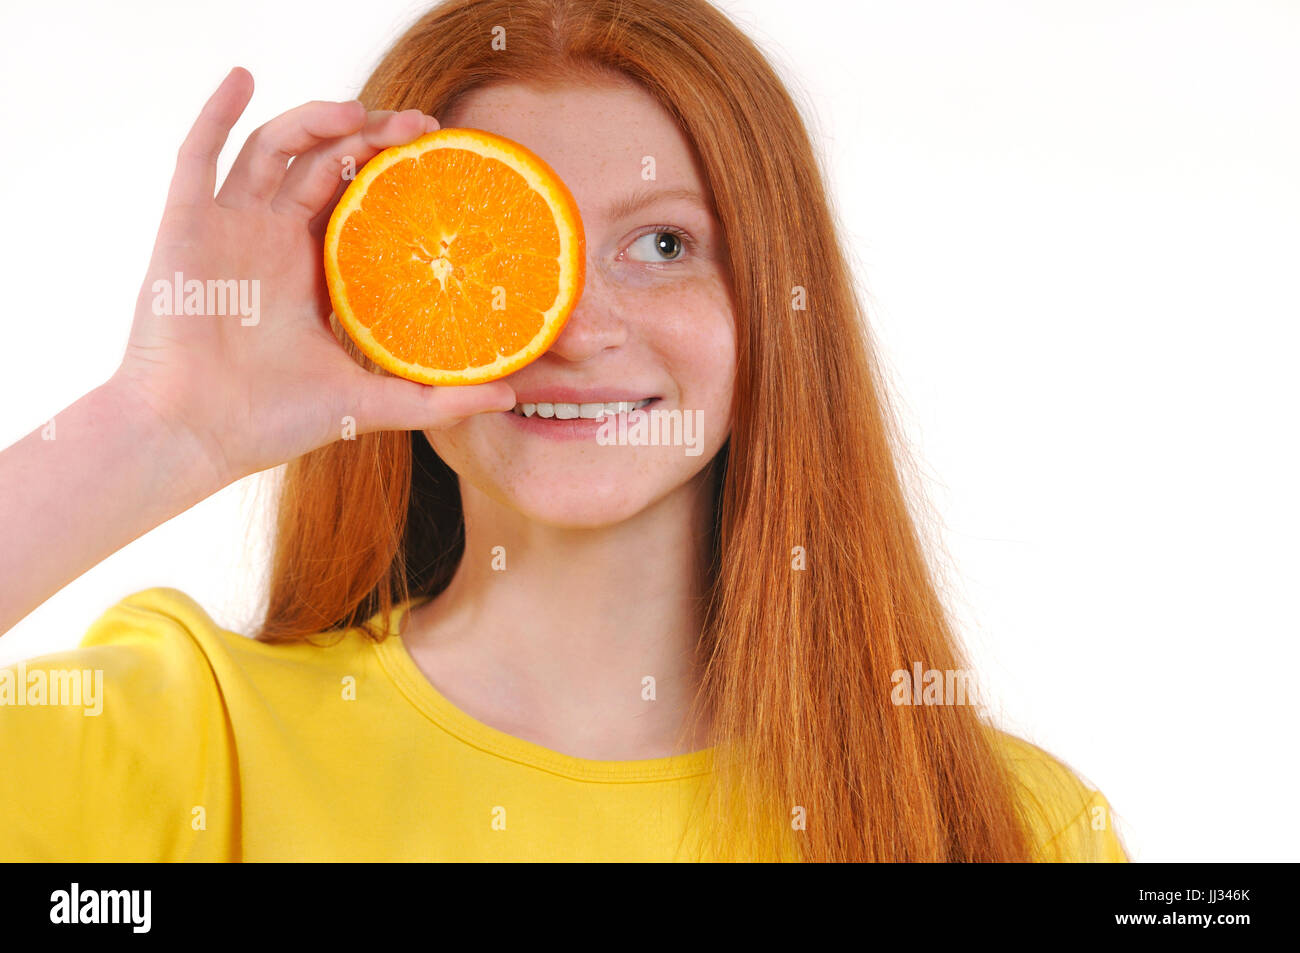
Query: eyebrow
[[631, 204]]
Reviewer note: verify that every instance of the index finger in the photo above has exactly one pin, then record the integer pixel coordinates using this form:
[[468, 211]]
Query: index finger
[[195, 178]]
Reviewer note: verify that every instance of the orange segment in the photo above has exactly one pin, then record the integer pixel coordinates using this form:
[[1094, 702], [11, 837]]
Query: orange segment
[[456, 258]]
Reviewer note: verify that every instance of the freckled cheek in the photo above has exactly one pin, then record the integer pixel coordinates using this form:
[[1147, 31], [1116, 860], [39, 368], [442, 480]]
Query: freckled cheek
[[465, 447], [690, 328]]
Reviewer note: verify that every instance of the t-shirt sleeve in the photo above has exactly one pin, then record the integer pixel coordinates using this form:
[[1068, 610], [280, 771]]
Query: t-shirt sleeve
[[119, 749], [1069, 821]]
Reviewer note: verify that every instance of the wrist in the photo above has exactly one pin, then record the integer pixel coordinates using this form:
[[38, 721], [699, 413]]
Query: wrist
[[186, 466]]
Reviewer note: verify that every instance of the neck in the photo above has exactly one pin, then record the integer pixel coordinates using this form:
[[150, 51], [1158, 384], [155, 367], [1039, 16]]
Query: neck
[[549, 634]]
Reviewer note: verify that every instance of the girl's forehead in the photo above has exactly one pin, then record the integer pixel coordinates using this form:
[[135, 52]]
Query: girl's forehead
[[606, 142], [574, 112]]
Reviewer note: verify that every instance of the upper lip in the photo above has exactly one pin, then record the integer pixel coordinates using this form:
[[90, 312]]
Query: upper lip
[[584, 395]]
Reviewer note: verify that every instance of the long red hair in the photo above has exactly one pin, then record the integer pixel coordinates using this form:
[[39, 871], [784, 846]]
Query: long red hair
[[797, 661]]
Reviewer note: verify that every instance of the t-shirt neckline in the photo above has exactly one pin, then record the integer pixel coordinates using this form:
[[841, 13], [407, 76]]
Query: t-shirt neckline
[[396, 660]]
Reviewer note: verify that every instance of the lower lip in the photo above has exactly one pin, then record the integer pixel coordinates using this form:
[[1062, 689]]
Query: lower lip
[[576, 428]]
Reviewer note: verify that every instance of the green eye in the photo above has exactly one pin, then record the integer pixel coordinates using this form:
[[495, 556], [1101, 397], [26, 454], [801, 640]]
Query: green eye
[[661, 245]]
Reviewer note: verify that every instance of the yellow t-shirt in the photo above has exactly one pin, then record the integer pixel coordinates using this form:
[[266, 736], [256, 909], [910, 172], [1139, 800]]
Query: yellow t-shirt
[[195, 743]]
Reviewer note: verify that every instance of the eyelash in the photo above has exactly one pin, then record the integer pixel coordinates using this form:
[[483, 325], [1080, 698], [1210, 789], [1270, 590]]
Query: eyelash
[[688, 243]]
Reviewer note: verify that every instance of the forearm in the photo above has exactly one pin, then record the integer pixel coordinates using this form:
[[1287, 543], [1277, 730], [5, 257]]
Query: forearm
[[105, 472]]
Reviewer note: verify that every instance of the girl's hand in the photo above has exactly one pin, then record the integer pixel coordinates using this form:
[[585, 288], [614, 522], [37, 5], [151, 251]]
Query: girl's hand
[[265, 380]]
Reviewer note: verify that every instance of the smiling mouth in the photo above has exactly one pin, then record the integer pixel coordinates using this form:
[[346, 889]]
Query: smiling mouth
[[591, 411]]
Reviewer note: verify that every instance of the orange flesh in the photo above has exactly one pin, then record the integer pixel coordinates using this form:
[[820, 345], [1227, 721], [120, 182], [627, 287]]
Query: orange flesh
[[451, 261]]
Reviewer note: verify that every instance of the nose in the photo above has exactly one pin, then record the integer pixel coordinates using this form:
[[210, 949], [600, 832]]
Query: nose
[[595, 324]]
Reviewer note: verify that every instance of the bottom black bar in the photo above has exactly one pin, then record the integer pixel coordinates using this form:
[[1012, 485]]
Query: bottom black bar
[[136, 903]]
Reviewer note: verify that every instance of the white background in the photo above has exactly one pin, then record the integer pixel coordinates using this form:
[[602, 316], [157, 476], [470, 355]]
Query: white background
[[1076, 227]]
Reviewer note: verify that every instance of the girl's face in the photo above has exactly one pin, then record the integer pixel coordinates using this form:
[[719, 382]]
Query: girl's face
[[654, 321]]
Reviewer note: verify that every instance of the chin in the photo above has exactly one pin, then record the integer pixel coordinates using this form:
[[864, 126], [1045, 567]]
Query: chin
[[579, 504]]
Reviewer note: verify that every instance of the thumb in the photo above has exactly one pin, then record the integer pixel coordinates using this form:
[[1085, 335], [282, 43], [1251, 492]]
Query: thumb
[[392, 403]]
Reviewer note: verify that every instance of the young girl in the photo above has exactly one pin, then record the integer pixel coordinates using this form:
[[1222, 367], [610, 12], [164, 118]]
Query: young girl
[[490, 635]]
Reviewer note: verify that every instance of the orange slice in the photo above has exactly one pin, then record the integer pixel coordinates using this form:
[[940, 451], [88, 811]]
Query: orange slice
[[456, 258]]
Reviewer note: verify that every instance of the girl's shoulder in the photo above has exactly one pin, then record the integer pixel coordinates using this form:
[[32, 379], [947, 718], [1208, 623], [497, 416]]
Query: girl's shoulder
[[165, 633], [1070, 820], [124, 748]]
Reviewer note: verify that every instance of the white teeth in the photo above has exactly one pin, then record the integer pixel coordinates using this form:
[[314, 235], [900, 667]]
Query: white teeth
[[589, 411]]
